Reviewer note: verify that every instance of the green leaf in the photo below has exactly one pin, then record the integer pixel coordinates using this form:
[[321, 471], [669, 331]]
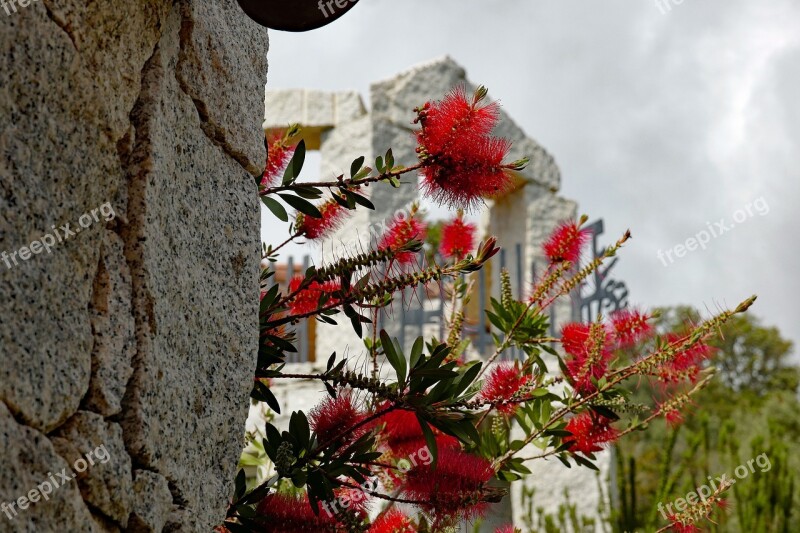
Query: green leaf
[[356, 166], [276, 208], [240, 484], [298, 427], [391, 355], [416, 351], [304, 206], [296, 164], [430, 440]]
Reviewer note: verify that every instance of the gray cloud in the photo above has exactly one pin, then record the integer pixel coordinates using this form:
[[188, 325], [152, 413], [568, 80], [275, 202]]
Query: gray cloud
[[660, 122]]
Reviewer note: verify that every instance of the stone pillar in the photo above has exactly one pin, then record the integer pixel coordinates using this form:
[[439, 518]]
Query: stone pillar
[[136, 123]]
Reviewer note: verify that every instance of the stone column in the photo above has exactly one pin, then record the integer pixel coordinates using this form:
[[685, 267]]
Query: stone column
[[136, 123]]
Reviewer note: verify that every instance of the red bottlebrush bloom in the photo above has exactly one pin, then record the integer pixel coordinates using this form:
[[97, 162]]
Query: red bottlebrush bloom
[[334, 415], [590, 433], [458, 239], [454, 487], [506, 529], [630, 327], [401, 231], [503, 383], [404, 437], [293, 514], [680, 527], [319, 228], [673, 417], [392, 522], [279, 152], [566, 243], [307, 300], [462, 162], [590, 350], [686, 364]]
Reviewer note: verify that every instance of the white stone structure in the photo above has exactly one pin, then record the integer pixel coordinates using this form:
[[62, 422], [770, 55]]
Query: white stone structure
[[339, 125]]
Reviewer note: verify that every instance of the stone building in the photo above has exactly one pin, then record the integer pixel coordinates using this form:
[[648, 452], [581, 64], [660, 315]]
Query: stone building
[[339, 125]]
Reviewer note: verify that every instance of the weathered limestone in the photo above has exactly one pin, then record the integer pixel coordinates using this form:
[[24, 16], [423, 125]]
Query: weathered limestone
[[150, 107]]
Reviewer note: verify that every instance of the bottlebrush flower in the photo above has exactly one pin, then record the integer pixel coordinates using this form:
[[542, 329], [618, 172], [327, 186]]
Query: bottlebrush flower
[[506, 529], [334, 415], [279, 152], [462, 162], [680, 527], [589, 347], [630, 327], [454, 487], [392, 522], [503, 383], [293, 514], [566, 243], [307, 300], [591, 432], [401, 231], [319, 228], [404, 437], [458, 238], [686, 364]]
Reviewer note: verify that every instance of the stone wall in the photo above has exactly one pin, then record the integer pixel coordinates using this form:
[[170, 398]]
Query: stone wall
[[137, 332]]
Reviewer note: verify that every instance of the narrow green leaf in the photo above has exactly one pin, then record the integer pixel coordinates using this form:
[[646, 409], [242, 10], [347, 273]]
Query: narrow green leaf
[[304, 206], [356, 166], [276, 208]]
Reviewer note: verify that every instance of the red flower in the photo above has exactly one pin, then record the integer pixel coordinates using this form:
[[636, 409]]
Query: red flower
[[401, 231], [462, 162], [392, 522], [566, 243], [453, 487], [687, 363], [506, 529], [403, 434], [293, 514], [590, 433], [334, 415], [318, 228], [589, 349], [630, 327], [307, 300], [503, 383], [279, 152], [458, 239], [673, 417], [680, 527]]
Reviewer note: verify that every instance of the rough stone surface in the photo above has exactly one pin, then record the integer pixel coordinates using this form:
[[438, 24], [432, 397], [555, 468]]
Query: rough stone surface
[[152, 503], [152, 107], [29, 460], [107, 482], [113, 329], [195, 312]]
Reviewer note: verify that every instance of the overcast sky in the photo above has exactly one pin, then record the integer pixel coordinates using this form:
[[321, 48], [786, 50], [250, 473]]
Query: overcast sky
[[663, 122]]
